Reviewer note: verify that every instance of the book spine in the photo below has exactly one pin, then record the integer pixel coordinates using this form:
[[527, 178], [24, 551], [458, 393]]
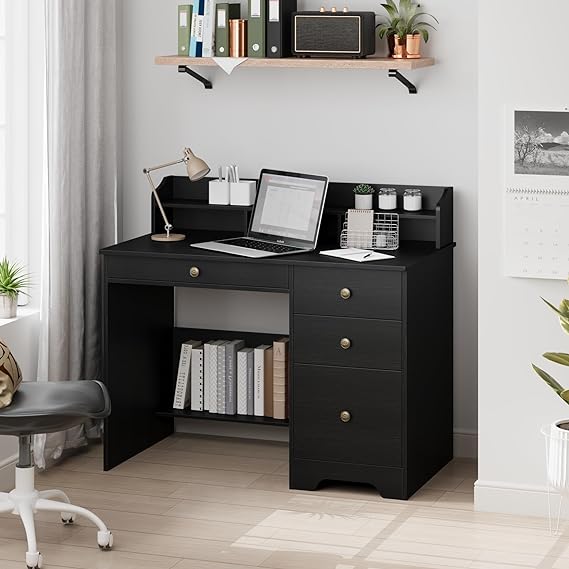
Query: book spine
[[196, 379], [193, 28], [209, 29], [230, 381], [250, 383], [213, 380], [268, 381], [180, 394], [200, 29], [242, 383], [280, 379], [259, 389], [221, 379]]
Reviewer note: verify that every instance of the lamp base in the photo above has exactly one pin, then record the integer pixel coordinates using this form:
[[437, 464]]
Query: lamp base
[[164, 238]]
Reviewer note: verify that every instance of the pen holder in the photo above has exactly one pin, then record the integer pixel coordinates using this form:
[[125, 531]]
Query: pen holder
[[242, 193], [219, 192]]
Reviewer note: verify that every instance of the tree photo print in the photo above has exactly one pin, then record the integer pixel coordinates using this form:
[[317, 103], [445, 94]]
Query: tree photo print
[[541, 143]]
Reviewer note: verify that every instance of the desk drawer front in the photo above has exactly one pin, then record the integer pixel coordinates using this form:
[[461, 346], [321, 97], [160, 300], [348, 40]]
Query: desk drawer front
[[197, 272], [349, 342], [349, 416], [353, 293]]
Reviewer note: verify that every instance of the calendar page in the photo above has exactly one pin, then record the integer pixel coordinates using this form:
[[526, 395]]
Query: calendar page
[[536, 232]]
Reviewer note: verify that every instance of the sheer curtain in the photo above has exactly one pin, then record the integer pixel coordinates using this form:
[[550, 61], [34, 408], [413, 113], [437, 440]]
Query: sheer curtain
[[80, 188]]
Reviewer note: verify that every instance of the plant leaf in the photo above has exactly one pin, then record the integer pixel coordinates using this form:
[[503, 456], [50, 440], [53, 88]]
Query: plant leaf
[[552, 382], [558, 358]]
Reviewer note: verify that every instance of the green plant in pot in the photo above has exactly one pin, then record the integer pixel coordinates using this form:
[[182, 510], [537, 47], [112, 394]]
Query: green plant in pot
[[404, 28], [364, 196], [13, 281]]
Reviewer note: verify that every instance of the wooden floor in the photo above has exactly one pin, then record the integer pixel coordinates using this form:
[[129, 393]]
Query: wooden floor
[[215, 503]]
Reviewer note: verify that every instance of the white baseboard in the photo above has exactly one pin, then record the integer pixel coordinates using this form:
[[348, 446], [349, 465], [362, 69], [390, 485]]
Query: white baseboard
[[465, 443], [7, 467], [516, 499]]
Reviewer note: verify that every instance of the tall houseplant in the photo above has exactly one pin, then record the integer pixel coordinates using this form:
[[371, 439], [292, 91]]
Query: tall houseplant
[[13, 281], [404, 28]]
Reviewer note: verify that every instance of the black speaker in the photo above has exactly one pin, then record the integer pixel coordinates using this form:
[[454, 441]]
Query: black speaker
[[333, 34]]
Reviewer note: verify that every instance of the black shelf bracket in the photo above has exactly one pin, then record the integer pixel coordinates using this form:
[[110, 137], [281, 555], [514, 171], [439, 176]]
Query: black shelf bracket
[[401, 78], [185, 69]]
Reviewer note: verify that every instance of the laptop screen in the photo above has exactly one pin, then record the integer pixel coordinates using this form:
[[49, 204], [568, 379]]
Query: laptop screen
[[289, 207]]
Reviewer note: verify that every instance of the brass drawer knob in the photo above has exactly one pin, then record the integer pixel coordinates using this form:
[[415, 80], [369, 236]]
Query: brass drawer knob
[[346, 293], [345, 343], [194, 272], [345, 416]]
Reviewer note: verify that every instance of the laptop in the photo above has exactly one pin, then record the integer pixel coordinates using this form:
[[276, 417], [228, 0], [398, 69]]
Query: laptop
[[286, 217]]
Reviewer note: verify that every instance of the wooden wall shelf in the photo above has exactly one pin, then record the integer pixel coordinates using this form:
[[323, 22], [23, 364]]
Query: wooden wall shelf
[[393, 66]]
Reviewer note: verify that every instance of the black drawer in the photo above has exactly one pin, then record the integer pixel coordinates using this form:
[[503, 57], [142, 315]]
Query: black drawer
[[370, 434], [198, 272], [372, 343], [355, 293]]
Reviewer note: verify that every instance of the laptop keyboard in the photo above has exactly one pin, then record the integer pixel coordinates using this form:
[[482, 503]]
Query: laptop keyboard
[[261, 245]]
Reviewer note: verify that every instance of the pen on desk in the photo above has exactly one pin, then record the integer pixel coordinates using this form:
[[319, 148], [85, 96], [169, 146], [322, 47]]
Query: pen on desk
[[366, 256]]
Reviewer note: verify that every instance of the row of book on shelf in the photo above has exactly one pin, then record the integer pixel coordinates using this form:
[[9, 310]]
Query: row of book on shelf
[[228, 378]]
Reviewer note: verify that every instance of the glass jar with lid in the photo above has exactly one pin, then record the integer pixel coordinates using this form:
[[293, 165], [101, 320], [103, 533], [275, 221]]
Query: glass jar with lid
[[387, 199], [412, 200]]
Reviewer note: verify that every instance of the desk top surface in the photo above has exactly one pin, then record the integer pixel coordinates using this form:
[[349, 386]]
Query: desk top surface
[[410, 253]]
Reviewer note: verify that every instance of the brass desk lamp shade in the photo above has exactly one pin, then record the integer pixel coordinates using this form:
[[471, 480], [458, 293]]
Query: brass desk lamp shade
[[196, 169]]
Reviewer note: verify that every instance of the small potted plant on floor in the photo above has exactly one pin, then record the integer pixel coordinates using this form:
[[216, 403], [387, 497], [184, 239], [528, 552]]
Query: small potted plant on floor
[[404, 28], [13, 281], [557, 433], [364, 196]]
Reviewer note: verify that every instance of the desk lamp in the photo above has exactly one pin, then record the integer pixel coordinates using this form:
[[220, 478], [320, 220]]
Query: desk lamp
[[196, 169]]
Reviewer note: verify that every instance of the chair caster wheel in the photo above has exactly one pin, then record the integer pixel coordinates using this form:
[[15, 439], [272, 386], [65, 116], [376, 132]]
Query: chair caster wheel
[[67, 519], [105, 540], [34, 561]]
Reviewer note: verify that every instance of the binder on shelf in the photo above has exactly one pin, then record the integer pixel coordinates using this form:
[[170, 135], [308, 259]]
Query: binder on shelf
[[256, 28], [259, 381], [182, 391], [223, 13], [184, 28], [196, 379], [231, 349], [244, 391], [221, 377], [208, 29], [196, 37], [279, 28], [280, 378]]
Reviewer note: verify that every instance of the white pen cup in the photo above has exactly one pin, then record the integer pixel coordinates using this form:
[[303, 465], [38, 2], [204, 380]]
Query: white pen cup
[[219, 192], [242, 193]]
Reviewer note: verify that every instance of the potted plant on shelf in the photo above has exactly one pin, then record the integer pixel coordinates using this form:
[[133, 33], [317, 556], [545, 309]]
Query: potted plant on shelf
[[364, 196], [13, 280], [557, 434], [404, 29]]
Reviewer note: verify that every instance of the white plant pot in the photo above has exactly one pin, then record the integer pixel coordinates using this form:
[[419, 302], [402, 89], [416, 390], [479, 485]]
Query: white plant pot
[[557, 454], [8, 306], [364, 201]]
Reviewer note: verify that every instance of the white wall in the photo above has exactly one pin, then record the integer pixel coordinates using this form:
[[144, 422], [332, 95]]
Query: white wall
[[514, 325], [351, 125]]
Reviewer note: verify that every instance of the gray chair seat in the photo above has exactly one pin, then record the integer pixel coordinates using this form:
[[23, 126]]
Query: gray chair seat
[[54, 406]]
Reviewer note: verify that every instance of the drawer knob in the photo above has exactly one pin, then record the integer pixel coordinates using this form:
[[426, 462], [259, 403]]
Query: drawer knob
[[345, 416], [346, 293], [194, 272], [345, 343]]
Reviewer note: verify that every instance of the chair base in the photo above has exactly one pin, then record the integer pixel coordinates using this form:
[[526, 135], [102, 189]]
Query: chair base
[[25, 501]]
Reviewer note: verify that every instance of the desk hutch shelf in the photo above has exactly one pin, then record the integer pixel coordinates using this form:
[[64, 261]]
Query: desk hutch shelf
[[394, 67]]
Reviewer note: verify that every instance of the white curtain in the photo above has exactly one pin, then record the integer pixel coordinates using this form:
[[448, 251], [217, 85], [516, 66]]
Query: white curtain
[[80, 194]]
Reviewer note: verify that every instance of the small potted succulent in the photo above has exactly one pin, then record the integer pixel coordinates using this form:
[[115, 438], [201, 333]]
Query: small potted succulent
[[364, 196], [404, 28], [13, 282]]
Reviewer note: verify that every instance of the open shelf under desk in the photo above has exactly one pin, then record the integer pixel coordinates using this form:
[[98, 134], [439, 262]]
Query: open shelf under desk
[[249, 419]]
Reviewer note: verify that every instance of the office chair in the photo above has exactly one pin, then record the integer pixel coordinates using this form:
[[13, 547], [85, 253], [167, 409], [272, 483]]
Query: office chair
[[47, 408]]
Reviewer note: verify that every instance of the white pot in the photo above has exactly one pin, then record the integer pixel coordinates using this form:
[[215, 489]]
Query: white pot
[[557, 454], [8, 306], [364, 201]]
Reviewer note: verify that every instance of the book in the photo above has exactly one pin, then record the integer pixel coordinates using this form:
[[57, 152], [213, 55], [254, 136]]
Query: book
[[210, 376], [231, 349], [182, 390], [259, 380], [244, 390], [224, 13], [220, 394], [208, 29], [280, 378], [251, 384], [184, 28], [196, 379], [268, 381], [196, 32]]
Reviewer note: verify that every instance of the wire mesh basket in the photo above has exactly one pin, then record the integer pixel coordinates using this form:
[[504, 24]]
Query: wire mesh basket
[[384, 237]]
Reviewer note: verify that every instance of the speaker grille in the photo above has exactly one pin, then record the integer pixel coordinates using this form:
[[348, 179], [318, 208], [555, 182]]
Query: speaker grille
[[339, 34]]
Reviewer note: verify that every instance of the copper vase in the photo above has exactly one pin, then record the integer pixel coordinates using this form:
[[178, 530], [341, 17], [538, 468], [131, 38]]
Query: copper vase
[[399, 47], [413, 46]]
